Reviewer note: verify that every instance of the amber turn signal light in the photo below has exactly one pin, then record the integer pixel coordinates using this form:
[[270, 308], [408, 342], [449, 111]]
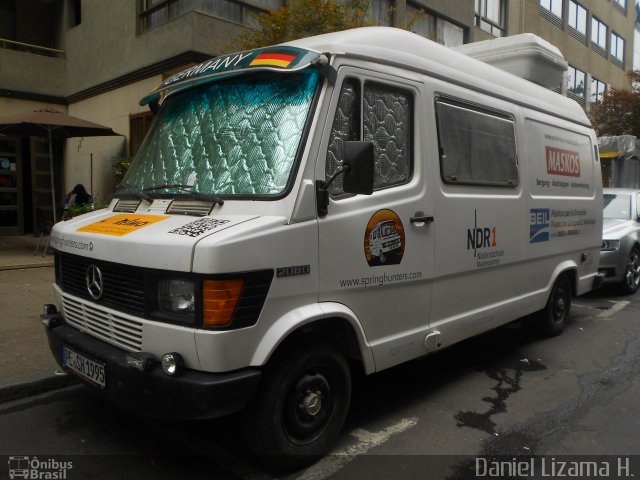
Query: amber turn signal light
[[220, 298]]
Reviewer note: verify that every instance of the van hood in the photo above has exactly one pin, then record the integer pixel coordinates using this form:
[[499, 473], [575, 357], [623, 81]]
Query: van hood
[[615, 228], [146, 240]]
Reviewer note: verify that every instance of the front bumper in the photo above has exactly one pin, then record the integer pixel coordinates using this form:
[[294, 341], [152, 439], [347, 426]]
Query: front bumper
[[612, 265], [152, 393]]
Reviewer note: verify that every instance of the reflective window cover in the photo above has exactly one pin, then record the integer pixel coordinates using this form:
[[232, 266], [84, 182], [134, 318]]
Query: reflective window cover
[[387, 122], [239, 136]]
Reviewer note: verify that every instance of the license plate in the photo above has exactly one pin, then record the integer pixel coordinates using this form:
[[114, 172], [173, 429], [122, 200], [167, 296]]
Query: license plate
[[90, 370]]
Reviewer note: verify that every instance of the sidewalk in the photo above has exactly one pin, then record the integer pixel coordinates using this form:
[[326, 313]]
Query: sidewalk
[[18, 252], [25, 285]]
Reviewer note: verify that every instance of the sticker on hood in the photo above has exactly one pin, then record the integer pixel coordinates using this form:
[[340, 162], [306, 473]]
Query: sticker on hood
[[122, 224], [198, 227]]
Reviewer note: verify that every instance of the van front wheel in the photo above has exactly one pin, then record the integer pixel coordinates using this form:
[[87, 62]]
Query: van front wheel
[[300, 407], [552, 320]]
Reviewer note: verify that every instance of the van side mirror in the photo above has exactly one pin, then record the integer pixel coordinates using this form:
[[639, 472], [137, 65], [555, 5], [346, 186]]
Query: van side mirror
[[357, 168], [358, 178]]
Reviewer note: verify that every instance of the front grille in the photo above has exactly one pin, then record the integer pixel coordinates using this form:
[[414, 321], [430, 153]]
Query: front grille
[[133, 290], [115, 329], [124, 287]]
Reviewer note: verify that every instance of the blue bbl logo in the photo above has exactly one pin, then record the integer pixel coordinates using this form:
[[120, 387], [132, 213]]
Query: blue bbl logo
[[539, 225]]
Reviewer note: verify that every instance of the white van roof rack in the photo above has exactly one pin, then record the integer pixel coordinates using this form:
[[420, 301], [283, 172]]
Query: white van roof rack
[[525, 55]]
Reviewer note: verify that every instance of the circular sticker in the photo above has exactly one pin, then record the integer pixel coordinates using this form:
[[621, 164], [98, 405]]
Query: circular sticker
[[384, 239]]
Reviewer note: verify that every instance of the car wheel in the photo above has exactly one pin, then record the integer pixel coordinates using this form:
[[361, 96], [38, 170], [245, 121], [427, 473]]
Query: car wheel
[[552, 320], [631, 278], [300, 407]]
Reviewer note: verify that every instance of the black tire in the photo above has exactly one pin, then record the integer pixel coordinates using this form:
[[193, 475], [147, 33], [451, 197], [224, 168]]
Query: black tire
[[552, 320], [631, 279], [281, 424]]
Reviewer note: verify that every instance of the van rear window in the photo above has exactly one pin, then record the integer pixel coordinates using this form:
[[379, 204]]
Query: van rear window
[[476, 147]]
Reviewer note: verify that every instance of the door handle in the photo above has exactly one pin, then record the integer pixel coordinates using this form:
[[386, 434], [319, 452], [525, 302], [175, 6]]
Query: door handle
[[422, 219]]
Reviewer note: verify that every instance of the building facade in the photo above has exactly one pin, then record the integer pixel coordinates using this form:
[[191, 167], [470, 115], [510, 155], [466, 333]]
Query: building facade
[[95, 60]]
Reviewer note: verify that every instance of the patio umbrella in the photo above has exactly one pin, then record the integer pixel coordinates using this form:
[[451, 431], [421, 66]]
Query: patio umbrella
[[51, 124]]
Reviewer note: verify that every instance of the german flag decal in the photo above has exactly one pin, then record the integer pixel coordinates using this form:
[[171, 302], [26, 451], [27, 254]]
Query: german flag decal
[[273, 59]]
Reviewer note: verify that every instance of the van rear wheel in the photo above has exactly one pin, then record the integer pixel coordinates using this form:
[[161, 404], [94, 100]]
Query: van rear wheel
[[300, 407], [552, 320]]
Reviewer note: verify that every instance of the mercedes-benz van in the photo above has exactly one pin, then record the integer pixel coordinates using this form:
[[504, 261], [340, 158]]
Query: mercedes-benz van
[[235, 268]]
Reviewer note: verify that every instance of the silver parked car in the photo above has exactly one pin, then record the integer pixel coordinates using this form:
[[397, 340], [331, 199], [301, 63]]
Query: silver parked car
[[620, 252]]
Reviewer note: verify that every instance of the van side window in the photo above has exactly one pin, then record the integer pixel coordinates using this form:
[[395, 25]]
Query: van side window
[[387, 121], [387, 116], [476, 147]]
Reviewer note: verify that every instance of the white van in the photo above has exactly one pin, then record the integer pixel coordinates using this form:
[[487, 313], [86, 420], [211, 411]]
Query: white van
[[236, 268]]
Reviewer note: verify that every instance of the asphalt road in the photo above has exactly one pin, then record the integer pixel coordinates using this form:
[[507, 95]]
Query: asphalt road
[[497, 397]]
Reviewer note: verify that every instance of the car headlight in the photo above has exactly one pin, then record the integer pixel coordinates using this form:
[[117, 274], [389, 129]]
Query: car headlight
[[610, 245], [176, 295]]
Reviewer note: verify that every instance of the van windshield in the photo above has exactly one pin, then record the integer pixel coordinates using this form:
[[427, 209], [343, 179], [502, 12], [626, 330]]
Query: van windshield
[[236, 137]]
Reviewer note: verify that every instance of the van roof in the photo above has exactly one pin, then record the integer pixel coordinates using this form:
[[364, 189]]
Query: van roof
[[394, 46]]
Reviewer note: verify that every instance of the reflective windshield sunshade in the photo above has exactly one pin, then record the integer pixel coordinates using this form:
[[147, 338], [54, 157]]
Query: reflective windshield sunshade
[[238, 136]]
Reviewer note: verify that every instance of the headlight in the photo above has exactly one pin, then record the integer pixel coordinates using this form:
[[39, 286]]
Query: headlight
[[610, 245], [176, 295]]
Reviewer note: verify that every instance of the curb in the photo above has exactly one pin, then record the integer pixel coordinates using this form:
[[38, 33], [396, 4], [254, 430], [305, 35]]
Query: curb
[[25, 266], [35, 386]]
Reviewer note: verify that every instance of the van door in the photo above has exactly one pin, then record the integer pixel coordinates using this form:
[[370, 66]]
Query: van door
[[376, 252]]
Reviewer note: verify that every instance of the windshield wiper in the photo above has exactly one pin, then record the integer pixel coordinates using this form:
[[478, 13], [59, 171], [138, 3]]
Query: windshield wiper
[[167, 186], [209, 197], [187, 193]]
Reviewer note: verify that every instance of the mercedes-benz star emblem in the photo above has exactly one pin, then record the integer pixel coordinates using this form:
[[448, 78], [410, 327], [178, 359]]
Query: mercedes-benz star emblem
[[94, 282]]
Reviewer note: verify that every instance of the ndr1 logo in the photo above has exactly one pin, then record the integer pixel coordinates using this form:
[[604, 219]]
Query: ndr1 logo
[[480, 237], [539, 223]]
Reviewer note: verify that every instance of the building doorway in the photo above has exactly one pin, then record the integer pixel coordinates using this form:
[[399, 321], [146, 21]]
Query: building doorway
[[26, 204]]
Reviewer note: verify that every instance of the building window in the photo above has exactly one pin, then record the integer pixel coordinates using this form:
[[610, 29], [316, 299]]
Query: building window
[[449, 34], [8, 19], [433, 27], [577, 17], [599, 36], [621, 3], [421, 22], [139, 125], [382, 11], [576, 84], [75, 13], [490, 16], [598, 89], [155, 13], [553, 6], [617, 48]]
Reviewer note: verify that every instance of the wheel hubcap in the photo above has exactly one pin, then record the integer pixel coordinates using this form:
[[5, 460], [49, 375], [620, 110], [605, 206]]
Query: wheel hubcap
[[633, 271], [560, 306], [309, 408], [312, 402]]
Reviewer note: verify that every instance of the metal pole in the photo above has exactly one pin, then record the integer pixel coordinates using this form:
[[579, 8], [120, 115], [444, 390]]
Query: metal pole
[[53, 188], [91, 173]]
